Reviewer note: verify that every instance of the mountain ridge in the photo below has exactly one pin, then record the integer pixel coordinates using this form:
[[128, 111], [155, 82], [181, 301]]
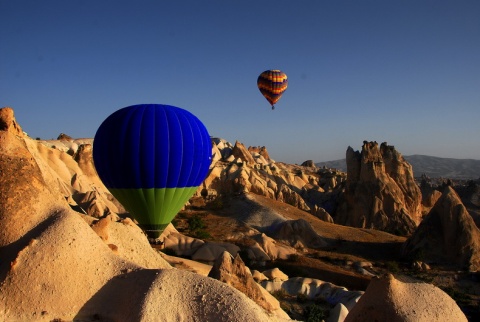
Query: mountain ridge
[[432, 166]]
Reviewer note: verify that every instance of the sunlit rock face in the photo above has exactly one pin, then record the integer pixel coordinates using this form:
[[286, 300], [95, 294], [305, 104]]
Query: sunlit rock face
[[261, 151], [8, 122], [448, 234], [234, 272], [61, 233], [380, 191], [236, 170], [388, 299]]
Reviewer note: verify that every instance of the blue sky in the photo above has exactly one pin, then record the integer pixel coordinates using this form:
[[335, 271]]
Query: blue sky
[[404, 72]]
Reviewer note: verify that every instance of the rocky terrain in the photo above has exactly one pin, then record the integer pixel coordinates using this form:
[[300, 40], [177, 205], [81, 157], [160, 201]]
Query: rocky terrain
[[260, 241], [434, 167], [380, 191]]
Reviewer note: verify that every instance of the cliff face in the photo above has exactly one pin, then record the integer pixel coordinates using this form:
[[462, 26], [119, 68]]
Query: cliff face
[[448, 234], [380, 191]]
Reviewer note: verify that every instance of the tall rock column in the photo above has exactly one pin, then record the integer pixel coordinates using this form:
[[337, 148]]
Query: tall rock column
[[402, 173], [380, 191]]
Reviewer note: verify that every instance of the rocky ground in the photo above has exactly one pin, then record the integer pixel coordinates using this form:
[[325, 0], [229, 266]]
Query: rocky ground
[[259, 241], [351, 259]]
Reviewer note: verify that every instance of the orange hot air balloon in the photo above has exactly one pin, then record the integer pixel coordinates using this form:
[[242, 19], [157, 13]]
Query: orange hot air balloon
[[272, 83]]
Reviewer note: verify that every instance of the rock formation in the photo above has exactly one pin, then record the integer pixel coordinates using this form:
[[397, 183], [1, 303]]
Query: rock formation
[[233, 272], [321, 214], [388, 299], [430, 194], [240, 152], [308, 163], [448, 234], [50, 251], [298, 233], [239, 170], [380, 191], [8, 122], [312, 289], [261, 151], [63, 233]]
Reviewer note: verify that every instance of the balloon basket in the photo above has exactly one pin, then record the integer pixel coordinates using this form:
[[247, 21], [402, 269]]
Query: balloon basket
[[153, 234]]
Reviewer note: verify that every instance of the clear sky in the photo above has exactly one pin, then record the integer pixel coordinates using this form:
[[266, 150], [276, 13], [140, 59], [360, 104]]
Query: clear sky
[[404, 72]]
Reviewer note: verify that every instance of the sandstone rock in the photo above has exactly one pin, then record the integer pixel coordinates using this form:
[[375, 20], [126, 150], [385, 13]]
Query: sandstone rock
[[298, 233], [338, 313], [315, 289], [430, 195], [259, 186], [216, 155], [289, 196], [64, 137], [387, 299], [241, 152], [182, 245], [258, 276], [190, 297], [210, 251], [23, 190], [101, 227], [275, 275], [256, 254], [420, 266], [308, 163], [47, 249], [321, 214], [8, 122], [224, 147], [380, 191], [215, 179], [402, 174], [271, 248], [246, 171], [262, 151], [234, 273], [447, 234]]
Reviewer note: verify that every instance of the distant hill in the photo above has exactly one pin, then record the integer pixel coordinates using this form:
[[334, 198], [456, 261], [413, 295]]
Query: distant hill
[[434, 167]]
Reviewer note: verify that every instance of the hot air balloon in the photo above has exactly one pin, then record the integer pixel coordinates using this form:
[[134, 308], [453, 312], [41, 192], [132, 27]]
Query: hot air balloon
[[152, 158], [272, 84]]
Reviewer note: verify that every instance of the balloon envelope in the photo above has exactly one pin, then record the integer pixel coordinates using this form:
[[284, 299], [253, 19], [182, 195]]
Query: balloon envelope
[[152, 158], [272, 84]]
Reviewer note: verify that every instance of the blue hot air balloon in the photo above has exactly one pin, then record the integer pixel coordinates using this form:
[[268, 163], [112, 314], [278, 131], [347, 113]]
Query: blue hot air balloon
[[152, 158]]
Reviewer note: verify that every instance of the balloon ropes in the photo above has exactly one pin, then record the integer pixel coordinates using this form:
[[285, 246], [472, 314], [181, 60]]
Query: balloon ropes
[[152, 158], [272, 84]]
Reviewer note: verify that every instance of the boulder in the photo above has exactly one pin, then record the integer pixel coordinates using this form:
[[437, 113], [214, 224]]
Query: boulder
[[298, 233], [233, 272], [262, 151], [287, 195], [180, 244], [447, 234], [321, 214], [308, 163], [240, 151], [8, 122], [275, 275], [315, 289], [259, 276], [210, 251], [388, 299], [271, 248]]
